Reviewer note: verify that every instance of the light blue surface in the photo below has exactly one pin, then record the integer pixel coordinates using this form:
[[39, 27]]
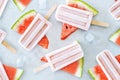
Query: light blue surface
[[100, 43]]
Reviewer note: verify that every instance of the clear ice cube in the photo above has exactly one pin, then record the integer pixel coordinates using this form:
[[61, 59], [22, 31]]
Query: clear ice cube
[[42, 4], [89, 37]]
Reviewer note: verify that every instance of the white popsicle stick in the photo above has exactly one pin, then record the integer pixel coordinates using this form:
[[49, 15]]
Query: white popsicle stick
[[109, 65], [9, 47], [62, 57], [99, 23], [44, 66], [6, 44], [50, 12]]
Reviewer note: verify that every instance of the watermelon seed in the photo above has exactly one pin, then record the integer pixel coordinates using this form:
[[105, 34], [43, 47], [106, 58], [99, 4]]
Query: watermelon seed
[[66, 27]]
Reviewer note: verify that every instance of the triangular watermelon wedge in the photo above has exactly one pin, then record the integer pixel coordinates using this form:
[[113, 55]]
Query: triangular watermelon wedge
[[44, 42], [116, 37], [13, 73], [21, 4], [118, 58], [75, 68], [67, 29], [22, 24], [97, 73]]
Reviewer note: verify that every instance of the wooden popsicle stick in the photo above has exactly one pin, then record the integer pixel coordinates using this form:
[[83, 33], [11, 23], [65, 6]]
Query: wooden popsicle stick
[[38, 69], [47, 16], [9, 47], [98, 23], [49, 13]]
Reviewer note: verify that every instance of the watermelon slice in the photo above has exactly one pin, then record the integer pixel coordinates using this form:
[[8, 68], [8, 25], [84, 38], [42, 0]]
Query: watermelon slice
[[75, 68], [67, 29], [43, 59], [118, 58], [22, 24], [21, 4], [97, 73], [24, 21], [83, 5], [44, 42], [13, 73], [116, 37]]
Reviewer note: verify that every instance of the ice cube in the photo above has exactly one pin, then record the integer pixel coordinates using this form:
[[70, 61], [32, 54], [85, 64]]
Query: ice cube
[[20, 61], [42, 4], [89, 37]]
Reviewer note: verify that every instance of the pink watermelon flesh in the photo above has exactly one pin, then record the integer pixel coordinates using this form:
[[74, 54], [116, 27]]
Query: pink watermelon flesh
[[43, 59], [67, 29], [44, 42], [118, 41], [118, 58], [21, 29], [97, 71], [25, 2], [11, 72], [22, 4], [100, 72], [72, 68], [68, 68]]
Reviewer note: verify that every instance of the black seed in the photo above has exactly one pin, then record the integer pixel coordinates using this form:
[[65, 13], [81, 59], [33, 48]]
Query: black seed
[[66, 27]]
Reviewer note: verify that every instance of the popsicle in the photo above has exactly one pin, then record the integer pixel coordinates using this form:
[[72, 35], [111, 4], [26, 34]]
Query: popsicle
[[97, 73], [62, 57], [109, 65], [115, 10], [36, 30], [3, 4], [2, 37], [77, 17], [3, 75]]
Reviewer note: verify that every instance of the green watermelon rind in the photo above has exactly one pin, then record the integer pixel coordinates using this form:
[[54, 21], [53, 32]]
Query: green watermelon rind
[[115, 36], [19, 74], [79, 70], [77, 41], [81, 67], [18, 6], [81, 62], [88, 6], [29, 13], [91, 74]]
